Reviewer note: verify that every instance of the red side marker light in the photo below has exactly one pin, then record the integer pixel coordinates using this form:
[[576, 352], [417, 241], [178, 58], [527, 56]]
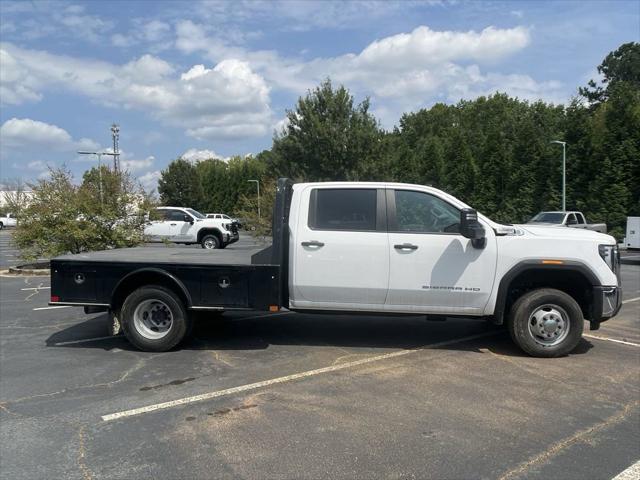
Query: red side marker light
[[55, 298]]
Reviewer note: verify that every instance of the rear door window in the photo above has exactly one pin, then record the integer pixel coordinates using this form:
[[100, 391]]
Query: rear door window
[[343, 209]]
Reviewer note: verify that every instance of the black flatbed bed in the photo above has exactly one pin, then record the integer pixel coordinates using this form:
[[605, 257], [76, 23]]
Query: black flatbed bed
[[163, 255], [251, 278]]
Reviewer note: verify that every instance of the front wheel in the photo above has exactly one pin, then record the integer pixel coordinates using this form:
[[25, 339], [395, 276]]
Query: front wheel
[[210, 242], [1, 226], [154, 319], [546, 323]]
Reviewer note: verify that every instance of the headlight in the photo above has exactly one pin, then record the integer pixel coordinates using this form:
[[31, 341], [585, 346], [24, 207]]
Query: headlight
[[610, 255]]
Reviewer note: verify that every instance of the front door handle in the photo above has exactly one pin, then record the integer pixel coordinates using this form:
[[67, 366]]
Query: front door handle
[[406, 246], [312, 243], [173, 224]]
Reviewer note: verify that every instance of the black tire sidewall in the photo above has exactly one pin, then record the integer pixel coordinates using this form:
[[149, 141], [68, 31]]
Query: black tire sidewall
[[179, 328], [210, 236], [526, 304]]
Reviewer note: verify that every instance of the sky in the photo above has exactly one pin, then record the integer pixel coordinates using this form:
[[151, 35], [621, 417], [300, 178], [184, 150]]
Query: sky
[[202, 79]]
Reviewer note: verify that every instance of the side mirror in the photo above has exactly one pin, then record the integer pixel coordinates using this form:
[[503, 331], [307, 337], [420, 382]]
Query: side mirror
[[471, 228], [187, 218]]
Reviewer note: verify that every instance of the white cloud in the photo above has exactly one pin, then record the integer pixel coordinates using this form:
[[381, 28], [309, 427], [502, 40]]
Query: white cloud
[[405, 72], [149, 180], [16, 84], [194, 155], [25, 133], [37, 165], [36, 20], [424, 47], [135, 165], [225, 101], [303, 15], [154, 33]]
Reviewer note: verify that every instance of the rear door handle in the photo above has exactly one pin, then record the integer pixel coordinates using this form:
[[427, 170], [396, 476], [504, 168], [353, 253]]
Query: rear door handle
[[406, 246], [312, 243]]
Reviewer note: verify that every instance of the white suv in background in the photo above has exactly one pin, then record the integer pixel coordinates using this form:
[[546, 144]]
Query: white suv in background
[[186, 225], [8, 220]]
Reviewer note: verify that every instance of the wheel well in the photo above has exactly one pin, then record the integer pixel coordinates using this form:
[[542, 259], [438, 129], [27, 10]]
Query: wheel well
[[140, 279], [572, 282], [209, 231]]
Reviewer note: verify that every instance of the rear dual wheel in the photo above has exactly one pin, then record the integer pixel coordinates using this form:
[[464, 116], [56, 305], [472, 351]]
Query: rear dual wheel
[[154, 319]]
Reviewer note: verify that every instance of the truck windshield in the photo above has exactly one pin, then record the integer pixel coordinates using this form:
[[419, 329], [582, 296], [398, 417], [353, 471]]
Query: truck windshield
[[195, 213], [548, 217]]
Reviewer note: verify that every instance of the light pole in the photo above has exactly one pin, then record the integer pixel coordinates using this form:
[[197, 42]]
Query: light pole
[[564, 173], [99, 155], [257, 182]]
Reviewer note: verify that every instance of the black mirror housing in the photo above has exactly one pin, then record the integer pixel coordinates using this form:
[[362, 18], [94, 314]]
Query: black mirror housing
[[187, 218], [470, 227]]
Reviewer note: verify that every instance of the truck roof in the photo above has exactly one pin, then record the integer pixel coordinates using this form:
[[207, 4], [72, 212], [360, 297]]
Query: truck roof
[[561, 211]]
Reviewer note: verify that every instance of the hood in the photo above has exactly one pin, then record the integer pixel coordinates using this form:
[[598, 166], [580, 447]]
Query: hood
[[214, 222], [556, 231]]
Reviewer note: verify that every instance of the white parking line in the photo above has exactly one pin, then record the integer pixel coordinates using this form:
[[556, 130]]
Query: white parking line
[[84, 340], [624, 342], [631, 300], [631, 473], [287, 378], [52, 308], [35, 288]]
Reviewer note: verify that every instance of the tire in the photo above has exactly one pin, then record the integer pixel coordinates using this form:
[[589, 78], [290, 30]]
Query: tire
[[210, 242], [154, 319], [1, 225], [546, 323]]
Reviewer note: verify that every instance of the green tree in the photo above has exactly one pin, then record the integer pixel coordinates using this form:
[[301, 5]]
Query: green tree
[[328, 138], [621, 65], [179, 185], [63, 217]]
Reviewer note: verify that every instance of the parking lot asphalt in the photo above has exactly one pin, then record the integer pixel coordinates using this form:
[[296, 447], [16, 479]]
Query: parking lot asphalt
[[311, 396], [9, 255]]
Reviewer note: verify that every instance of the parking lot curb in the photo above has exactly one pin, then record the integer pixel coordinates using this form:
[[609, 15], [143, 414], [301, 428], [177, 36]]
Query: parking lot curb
[[31, 269]]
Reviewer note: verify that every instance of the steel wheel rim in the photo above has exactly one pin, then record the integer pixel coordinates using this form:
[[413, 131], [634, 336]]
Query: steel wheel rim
[[153, 319], [210, 243], [549, 325]]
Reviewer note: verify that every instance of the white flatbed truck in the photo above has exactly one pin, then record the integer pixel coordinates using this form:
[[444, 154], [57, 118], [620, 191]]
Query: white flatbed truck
[[367, 248]]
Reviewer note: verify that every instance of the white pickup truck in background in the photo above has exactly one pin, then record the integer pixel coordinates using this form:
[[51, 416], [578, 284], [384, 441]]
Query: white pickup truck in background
[[568, 219], [8, 220], [186, 225]]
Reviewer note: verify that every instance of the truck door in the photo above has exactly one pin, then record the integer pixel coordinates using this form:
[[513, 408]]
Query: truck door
[[434, 269], [179, 229], [341, 258], [158, 228]]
